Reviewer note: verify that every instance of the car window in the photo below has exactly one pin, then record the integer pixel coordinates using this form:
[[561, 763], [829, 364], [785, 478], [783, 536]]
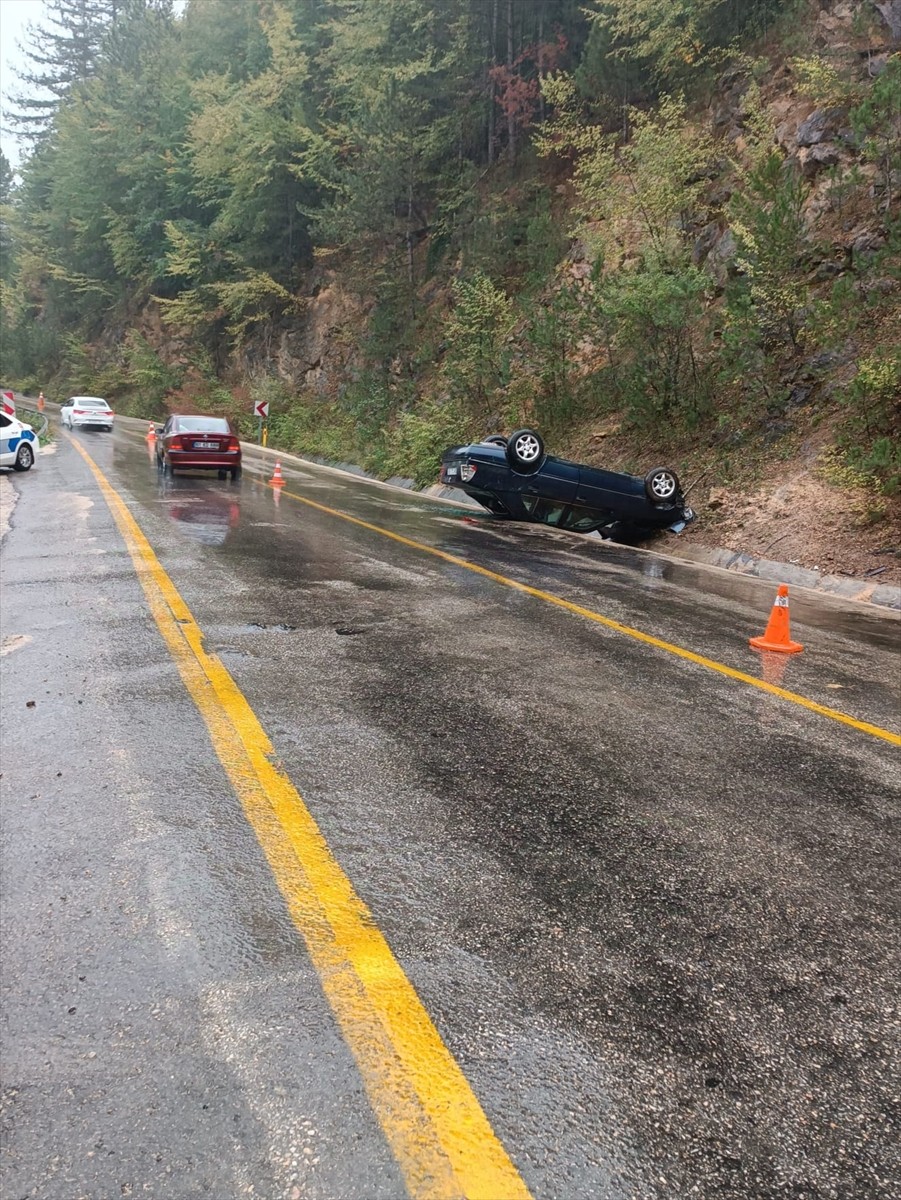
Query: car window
[[544, 510], [584, 520], [202, 424], [4, 421]]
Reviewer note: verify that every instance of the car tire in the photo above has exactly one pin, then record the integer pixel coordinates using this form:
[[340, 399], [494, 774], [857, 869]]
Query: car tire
[[221, 474], [494, 439], [168, 473], [24, 458], [661, 486], [525, 450], [235, 474]]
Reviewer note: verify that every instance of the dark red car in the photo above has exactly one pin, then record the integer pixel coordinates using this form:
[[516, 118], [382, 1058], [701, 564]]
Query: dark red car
[[198, 443]]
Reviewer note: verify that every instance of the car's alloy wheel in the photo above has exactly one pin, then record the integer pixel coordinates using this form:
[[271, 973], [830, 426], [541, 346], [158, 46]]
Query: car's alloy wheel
[[661, 485], [525, 449], [24, 459]]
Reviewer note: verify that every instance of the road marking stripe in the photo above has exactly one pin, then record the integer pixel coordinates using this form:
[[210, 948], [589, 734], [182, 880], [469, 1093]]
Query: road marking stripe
[[549, 598], [437, 1130]]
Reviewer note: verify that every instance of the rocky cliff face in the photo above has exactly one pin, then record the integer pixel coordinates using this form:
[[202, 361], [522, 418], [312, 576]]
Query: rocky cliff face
[[845, 208]]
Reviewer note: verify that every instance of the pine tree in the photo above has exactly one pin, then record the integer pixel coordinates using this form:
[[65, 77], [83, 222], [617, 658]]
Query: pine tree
[[61, 54]]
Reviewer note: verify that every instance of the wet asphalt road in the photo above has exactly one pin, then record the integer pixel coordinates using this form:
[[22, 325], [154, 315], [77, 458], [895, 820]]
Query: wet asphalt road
[[651, 910]]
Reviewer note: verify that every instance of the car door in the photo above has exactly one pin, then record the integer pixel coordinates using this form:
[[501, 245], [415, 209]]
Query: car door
[[555, 480], [6, 432], [611, 492]]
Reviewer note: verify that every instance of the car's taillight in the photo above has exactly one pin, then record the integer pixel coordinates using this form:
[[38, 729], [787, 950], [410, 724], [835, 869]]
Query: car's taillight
[[467, 470], [78, 412], [233, 444]]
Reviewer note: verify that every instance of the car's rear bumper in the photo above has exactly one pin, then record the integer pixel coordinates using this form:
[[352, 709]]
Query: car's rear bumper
[[185, 460], [97, 422]]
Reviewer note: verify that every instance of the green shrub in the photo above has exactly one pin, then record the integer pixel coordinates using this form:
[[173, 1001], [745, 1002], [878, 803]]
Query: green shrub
[[872, 435], [416, 442]]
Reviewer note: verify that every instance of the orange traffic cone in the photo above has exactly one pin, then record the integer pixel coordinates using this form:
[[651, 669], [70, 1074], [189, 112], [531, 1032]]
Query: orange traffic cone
[[41, 402], [776, 635], [151, 433], [277, 480]]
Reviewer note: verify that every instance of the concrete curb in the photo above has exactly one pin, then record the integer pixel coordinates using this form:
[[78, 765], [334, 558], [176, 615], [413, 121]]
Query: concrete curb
[[884, 595]]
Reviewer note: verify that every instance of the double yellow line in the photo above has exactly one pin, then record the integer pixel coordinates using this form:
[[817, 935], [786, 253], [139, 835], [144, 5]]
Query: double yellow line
[[437, 1130]]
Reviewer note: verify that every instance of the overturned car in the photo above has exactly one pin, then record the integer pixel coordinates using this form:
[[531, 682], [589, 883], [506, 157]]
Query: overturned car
[[514, 477]]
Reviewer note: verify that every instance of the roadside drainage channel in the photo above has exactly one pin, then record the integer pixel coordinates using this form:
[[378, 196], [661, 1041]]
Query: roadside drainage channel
[[868, 592]]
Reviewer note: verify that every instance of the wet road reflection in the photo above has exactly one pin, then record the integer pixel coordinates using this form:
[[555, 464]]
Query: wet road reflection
[[204, 515]]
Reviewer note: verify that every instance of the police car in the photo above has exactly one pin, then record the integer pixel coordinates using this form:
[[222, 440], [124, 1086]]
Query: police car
[[18, 441]]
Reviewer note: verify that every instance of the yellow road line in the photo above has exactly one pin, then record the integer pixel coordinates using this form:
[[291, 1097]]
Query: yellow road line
[[649, 640], [437, 1130]]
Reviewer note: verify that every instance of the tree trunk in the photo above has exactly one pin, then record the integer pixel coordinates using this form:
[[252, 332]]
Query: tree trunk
[[511, 122], [492, 91], [541, 61], [410, 231]]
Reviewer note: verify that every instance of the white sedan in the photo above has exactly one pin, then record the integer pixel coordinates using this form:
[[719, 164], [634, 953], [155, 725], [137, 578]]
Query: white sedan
[[86, 410], [18, 443]]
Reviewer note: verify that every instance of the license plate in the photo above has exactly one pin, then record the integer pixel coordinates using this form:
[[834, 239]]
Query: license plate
[[450, 472], [206, 445]]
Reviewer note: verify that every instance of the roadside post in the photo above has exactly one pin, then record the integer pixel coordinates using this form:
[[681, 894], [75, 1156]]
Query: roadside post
[[261, 408]]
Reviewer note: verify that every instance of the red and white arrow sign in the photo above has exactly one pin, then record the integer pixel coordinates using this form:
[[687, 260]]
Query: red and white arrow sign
[[8, 403], [261, 408]]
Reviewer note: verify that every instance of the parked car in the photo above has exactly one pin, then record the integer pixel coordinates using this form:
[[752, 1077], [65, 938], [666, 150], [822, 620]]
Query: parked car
[[86, 410], [198, 443], [18, 443], [515, 477]]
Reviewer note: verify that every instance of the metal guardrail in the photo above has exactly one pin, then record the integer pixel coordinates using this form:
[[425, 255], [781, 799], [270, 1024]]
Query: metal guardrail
[[21, 407]]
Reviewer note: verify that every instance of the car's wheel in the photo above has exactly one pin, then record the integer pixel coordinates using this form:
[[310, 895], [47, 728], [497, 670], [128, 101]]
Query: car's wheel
[[24, 458], [168, 473], [661, 485], [494, 439], [236, 474], [525, 450], [221, 474]]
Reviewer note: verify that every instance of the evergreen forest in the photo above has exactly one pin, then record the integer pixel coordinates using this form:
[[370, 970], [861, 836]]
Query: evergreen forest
[[408, 223]]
